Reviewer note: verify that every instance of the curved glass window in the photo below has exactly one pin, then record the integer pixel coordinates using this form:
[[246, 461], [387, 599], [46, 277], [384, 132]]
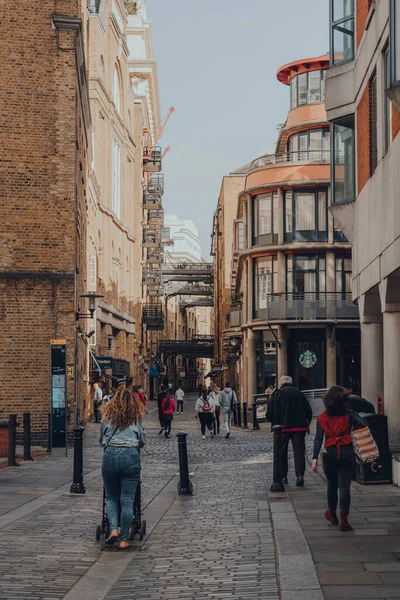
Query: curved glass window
[[307, 88], [265, 219], [306, 215], [305, 274], [265, 283], [313, 144], [342, 31]]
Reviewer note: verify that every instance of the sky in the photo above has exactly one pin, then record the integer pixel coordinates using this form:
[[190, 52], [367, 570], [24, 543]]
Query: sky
[[217, 62]]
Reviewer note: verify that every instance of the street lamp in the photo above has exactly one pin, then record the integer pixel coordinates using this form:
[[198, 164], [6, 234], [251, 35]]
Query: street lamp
[[92, 296]]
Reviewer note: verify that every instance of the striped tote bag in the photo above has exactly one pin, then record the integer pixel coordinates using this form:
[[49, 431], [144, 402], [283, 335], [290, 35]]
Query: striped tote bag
[[364, 445]]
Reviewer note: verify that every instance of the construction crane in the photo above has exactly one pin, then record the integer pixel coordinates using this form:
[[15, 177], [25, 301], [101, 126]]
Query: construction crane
[[163, 125], [167, 149], [165, 120]]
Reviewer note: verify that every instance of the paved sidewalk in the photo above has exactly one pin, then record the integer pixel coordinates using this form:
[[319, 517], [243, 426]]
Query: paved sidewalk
[[360, 564]]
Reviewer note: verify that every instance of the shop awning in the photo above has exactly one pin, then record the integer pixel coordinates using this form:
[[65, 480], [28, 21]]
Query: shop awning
[[154, 372]]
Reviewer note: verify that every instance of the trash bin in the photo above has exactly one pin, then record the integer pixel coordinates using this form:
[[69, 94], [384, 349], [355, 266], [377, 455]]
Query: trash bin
[[379, 471]]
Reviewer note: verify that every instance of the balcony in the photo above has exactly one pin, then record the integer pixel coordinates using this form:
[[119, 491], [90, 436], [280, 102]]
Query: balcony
[[156, 217], [291, 158], [155, 291], [151, 238], [152, 193], [153, 317], [152, 157], [166, 237], [152, 275], [309, 306], [154, 256]]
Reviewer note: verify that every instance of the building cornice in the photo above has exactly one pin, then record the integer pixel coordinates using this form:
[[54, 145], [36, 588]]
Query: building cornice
[[107, 211]]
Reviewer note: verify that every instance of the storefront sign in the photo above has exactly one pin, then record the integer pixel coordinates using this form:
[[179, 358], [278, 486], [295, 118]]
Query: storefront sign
[[104, 362], [308, 359], [121, 368], [182, 373]]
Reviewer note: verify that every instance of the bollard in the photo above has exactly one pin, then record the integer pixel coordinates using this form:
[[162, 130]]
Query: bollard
[[277, 485], [245, 426], [27, 436], [256, 425], [239, 414], [12, 440], [185, 487], [48, 432], [234, 416], [77, 486]]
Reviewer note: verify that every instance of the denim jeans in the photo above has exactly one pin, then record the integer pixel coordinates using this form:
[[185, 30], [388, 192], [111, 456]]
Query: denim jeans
[[228, 420], [121, 472]]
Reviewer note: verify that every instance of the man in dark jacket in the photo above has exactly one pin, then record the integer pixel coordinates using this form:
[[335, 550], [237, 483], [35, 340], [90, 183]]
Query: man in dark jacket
[[356, 403], [289, 408]]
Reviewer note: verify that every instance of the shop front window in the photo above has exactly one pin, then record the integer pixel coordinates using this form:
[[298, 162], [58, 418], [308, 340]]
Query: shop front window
[[306, 215], [265, 222], [342, 31], [343, 182], [265, 282]]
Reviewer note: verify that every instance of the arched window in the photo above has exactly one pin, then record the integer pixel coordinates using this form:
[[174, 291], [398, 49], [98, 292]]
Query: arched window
[[116, 90]]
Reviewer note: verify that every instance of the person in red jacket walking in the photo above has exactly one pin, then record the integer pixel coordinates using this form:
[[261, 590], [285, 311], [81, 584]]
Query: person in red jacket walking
[[168, 407], [335, 424]]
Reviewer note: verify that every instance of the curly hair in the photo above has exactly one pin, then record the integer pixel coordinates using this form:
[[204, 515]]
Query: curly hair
[[124, 409], [335, 401]]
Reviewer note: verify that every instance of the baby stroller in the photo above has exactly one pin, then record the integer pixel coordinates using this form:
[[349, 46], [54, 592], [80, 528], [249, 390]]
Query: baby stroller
[[138, 526]]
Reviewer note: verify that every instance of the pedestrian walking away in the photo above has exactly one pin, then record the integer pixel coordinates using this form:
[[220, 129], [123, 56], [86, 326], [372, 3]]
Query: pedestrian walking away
[[160, 398], [97, 400], [214, 396], [289, 408], [338, 458], [168, 407], [356, 403], [205, 413], [228, 401], [142, 397], [179, 396], [122, 434]]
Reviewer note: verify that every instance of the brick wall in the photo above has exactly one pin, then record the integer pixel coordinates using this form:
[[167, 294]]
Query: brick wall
[[395, 122], [363, 140], [362, 9], [43, 227]]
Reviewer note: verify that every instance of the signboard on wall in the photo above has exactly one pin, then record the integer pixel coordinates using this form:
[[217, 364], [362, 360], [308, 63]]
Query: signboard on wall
[[59, 394]]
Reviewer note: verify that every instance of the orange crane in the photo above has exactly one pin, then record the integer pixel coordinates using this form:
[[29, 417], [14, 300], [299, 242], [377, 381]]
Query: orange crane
[[163, 124]]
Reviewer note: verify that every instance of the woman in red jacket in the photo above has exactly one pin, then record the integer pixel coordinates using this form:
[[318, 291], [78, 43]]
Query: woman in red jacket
[[168, 407], [338, 459]]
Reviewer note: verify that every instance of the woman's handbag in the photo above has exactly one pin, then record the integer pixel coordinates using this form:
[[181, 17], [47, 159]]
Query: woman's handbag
[[364, 445]]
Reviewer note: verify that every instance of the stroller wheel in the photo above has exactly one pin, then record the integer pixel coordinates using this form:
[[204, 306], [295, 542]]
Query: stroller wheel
[[142, 532], [98, 532], [131, 533]]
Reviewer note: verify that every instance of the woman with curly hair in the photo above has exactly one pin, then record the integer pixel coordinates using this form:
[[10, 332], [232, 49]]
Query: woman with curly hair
[[122, 434], [338, 459]]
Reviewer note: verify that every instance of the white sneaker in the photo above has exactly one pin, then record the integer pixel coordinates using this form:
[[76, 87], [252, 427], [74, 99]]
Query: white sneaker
[[204, 437], [211, 433]]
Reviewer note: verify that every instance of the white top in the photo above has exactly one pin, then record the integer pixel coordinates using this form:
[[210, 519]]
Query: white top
[[98, 394], [214, 398], [179, 394], [200, 404]]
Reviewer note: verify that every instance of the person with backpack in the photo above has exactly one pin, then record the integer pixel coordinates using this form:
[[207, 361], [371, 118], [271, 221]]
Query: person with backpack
[[168, 407], [228, 402], [205, 412], [338, 459]]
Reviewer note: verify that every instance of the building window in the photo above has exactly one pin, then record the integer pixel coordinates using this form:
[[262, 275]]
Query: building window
[[373, 98], [116, 90], [386, 102], [239, 235], [343, 275], [116, 178], [313, 145], [92, 275], [343, 183], [338, 235], [305, 274], [266, 282], [394, 41], [307, 88], [306, 215], [342, 31], [265, 221]]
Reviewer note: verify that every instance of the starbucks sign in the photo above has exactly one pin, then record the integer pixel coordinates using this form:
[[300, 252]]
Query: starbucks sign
[[308, 359]]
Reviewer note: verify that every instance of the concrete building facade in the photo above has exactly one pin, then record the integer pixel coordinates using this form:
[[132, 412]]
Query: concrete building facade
[[363, 107]]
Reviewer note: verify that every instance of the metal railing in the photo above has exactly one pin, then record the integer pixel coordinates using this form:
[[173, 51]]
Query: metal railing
[[153, 316], [152, 157], [315, 399], [152, 275], [156, 215], [302, 156], [152, 236], [186, 266], [310, 306], [155, 255]]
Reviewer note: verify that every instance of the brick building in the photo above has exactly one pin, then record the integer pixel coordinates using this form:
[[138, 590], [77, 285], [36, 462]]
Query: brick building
[[43, 177]]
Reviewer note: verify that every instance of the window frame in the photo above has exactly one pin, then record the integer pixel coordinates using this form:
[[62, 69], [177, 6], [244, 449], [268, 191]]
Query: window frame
[[394, 43], [341, 123], [295, 93], [387, 104], [317, 256], [116, 177], [342, 272], [333, 25], [311, 235], [265, 239], [260, 313], [325, 147], [373, 137]]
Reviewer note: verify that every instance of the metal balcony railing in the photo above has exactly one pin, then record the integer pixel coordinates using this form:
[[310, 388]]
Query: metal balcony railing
[[200, 267], [310, 306], [152, 238], [154, 291], [156, 215], [301, 156], [153, 317], [152, 276], [157, 182], [154, 255], [152, 158]]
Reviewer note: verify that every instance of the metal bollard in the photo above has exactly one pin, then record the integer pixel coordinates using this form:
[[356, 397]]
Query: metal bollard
[[12, 440], [245, 426], [48, 432], [234, 417], [77, 486], [277, 485], [256, 425], [185, 487], [27, 436], [239, 414]]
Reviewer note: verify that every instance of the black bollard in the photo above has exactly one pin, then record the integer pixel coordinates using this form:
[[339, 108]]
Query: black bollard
[[185, 487], [77, 486], [235, 416], [27, 436], [245, 426], [256, 425], [12, 440], [277, 485], [48, 432], [239, 414]]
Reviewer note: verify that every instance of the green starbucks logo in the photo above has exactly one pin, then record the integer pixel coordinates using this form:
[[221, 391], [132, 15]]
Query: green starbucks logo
[[308, 359]]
